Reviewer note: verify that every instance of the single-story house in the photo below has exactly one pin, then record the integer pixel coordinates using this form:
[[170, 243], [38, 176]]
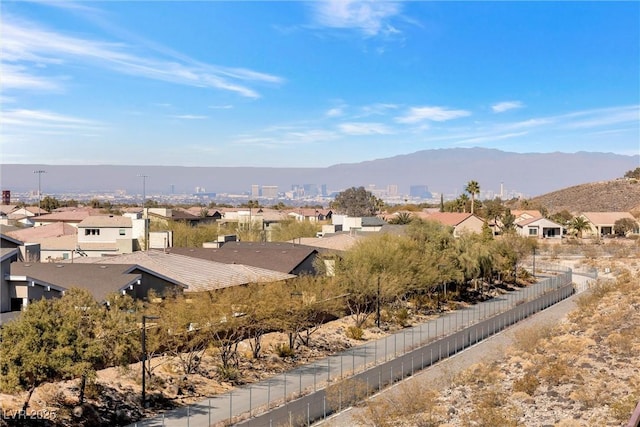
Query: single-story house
[[602, 223], [199, 275], [461, 222], [27, 282], [539, 227]]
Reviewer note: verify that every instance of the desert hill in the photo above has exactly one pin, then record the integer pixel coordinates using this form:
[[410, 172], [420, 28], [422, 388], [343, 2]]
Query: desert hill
[[617, 195]]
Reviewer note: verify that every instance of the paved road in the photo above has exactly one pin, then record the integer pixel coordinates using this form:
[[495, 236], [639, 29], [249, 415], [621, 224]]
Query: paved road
[[247, 401], [490, 349]]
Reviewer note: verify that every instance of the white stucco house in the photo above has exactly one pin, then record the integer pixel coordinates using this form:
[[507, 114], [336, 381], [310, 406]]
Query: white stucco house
[[541, 228]]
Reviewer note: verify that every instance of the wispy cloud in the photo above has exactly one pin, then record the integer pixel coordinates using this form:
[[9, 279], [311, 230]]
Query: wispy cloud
[[189, 117], [434, 114], [604, 117], [284, 136], [221, 107], [364, 129], [19, 77], [27, 43], [377, 109], [489, 138], [40, 121], [371, 18], [335, 112], [501, 107]]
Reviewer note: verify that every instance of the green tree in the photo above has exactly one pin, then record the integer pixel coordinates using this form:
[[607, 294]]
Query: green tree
[[461, 203], [507, 222], [28, 354], [49, 203], [80, 347], [472, 188], [357, 202], [624, 226], [579, 225], [563, 217]]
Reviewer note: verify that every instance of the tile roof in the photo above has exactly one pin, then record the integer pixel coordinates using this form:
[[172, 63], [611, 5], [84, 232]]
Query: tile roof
[[283, 257], [336, 242], [69, 216], [606, 218], [448, 218], [7, 209], [106, 221], [198, 274], [32, 234]]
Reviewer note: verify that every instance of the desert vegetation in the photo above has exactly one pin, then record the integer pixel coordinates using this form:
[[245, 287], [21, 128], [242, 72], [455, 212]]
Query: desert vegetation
[[580, 372]]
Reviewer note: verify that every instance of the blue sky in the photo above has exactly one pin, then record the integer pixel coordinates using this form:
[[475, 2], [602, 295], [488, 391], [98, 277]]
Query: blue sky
[[302, 84]]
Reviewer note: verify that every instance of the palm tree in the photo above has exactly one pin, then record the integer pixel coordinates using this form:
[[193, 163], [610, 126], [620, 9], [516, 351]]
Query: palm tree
[[579, 224], [461, 202], [401, 218], [472, 188]]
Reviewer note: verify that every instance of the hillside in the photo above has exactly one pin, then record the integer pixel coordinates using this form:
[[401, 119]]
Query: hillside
[[617, 195]]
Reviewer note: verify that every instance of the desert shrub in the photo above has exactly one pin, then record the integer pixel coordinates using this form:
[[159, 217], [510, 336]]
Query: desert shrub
[[492, 408], [347, 393], [621, 409], [479, 373], [527, 340], [283, 351], [621, 343], [355, 333], [228, 374], [554, 371], [401, 316], [527, 384], [412, 404]]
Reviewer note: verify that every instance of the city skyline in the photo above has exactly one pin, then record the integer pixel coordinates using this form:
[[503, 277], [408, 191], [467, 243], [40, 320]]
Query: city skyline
[[313, 84]]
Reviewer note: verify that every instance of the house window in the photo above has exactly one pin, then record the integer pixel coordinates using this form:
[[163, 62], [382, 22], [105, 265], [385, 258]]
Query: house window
[[533, 232], [91, 231], [122, 233]]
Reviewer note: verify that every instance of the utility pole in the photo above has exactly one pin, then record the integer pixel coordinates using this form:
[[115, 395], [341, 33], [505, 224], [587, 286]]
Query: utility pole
[[39, 172], [378, 305], [144, 215], [144, 354]]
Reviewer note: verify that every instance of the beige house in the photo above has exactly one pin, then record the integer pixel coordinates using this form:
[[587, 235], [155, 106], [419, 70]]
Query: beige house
[[461, 222], [602, 223], [105, 235]]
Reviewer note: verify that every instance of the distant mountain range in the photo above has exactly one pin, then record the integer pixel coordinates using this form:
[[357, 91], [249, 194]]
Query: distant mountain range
[[442, 171]]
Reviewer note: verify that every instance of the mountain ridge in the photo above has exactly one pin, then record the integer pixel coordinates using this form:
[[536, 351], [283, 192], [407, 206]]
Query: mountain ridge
[[441, 170]]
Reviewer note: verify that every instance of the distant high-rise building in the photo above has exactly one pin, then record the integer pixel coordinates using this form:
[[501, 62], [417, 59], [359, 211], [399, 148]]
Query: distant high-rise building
[[323, 190], [270, 191], [392, 190], [255, 190], [310, 190], [6, 197], [419, 191]]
